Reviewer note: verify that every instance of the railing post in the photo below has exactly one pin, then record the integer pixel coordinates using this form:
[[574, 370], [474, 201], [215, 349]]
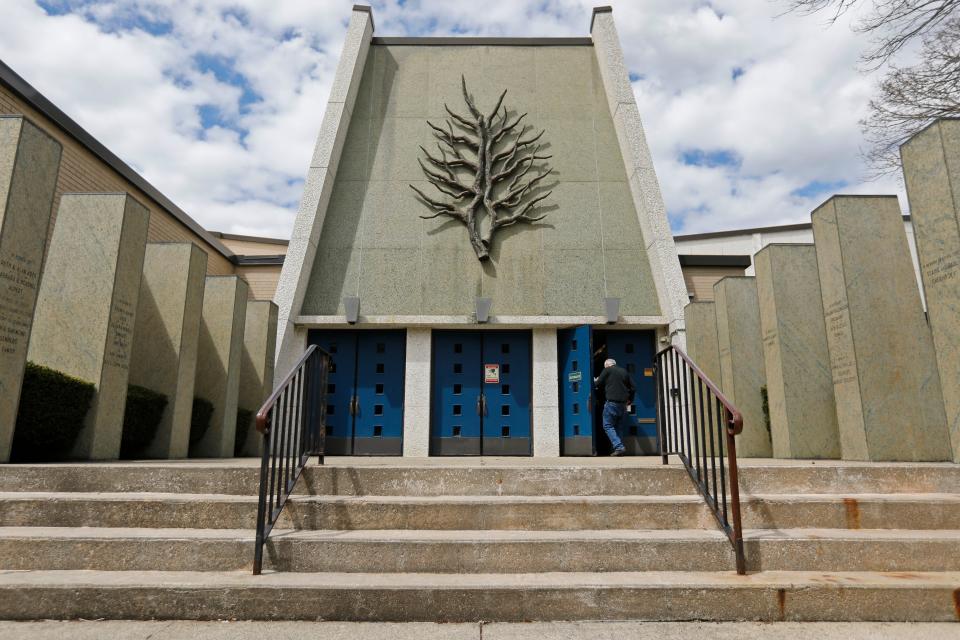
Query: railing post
[[661, 429], [262, 504], [735, 496]]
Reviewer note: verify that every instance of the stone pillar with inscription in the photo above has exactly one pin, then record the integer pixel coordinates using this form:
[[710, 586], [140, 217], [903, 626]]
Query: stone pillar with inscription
[[87, 307], [219, 354], [803, 417], [741, 360], [256, 365], [702, 345], [29, 163], [931, 168], [165, 340], [885, 380]]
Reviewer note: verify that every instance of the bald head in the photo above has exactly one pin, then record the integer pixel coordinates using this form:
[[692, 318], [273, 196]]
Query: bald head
[[609, 362]]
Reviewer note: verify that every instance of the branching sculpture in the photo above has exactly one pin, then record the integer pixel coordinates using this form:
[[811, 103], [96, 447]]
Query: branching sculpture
[[484, 165]]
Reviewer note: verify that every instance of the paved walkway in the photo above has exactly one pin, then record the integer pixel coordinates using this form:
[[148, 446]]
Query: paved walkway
[[183, 630]]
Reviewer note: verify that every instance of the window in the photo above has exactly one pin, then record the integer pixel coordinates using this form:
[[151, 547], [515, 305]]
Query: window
[[505, 347], [380, 367], [505, 410], [575, 386], [379, 389], [330, 409], [505, 389], [505, 368], [632, 368], [457, 389], [333, 348], [575, 366], [576, 408], [378, 409], [629, 347], [331, 388], [381, 347], [457, 367], [378, 431], [329, 429], [333, 367], [573, 344], [458, 409], [576, 429], [457, 348], [456, 431], [505, 431]]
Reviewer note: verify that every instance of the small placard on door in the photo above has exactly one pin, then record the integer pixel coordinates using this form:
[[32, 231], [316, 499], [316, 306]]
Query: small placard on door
[[575, 376], [648, 373], [491, 373]]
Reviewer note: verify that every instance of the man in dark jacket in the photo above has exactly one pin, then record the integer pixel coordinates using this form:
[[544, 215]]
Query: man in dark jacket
[[618, 389]]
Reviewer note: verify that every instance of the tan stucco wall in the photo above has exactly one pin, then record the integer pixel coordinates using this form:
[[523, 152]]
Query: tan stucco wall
[[82, 171], [375, 245]]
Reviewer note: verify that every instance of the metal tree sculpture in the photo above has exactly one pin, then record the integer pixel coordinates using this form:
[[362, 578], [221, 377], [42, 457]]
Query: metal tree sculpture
[[478, 155]]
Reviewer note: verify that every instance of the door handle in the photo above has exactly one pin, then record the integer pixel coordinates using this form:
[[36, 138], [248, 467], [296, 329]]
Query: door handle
[[354, 405], [483, 402], [480, 405]]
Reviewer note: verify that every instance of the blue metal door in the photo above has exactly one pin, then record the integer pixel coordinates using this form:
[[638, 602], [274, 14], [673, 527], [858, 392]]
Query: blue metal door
[[456, 403], [364, 391], [576, 397], [634, 351], [342, 346], [378, 408], [506, 395]]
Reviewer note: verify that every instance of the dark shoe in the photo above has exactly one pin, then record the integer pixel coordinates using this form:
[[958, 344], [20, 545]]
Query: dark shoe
[[618, 452]]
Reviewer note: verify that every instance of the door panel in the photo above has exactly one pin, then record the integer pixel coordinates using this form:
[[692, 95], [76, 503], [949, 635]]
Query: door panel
[[633, 350], [342, 346], [576, 384], [457, 376], [378, 420], [507, 418]]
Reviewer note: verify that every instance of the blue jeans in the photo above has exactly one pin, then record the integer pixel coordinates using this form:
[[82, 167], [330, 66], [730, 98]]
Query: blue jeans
[[614, 414]]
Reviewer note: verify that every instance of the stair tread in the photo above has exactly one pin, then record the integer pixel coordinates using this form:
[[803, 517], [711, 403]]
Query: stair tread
[[71, 579], [478, 535], [651, 498]]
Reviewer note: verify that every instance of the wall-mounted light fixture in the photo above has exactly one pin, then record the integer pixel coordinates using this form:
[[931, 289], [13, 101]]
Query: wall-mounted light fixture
[[351, 306], [483, 309], [612, 307]]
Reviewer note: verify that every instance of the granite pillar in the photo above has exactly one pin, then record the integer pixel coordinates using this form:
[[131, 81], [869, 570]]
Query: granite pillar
[[803, 416], [256, 366], [219, 354], [885, 380], [741, 360], [29, 162], [931, 168], [702, 345], [87, 307], [165, 340], [416, 393]]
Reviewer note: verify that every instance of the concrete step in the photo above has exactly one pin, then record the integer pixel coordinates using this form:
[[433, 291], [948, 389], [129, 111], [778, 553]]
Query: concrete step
[[869, 511], [496, 476], [660, 595], [405, 551]]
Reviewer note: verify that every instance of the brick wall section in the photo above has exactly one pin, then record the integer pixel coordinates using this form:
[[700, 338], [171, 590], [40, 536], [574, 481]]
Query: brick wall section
[[81, 171]]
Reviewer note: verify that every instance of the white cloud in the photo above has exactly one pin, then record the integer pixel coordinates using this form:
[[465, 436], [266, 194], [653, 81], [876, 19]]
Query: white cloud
[[140, 75]]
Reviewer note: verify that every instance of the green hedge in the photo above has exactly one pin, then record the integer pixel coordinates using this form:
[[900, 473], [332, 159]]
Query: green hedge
[[53, 407], [244, 418], [200, 419], [141, 417]]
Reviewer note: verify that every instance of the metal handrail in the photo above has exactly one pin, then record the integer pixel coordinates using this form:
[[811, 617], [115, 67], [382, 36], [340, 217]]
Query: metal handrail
[[293, 425], [686, 402]]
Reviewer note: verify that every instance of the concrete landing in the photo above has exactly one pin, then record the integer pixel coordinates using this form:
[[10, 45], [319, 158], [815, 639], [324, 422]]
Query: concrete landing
[[181, 630]]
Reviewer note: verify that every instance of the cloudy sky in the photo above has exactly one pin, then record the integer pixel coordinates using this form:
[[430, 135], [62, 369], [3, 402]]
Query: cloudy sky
[[751, 117]]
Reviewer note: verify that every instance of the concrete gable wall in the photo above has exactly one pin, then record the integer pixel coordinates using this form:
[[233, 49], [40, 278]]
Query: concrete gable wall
[[374, 244]]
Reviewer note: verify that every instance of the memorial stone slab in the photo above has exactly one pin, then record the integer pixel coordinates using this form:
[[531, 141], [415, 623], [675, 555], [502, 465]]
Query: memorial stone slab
[[87, 307], [803, 416], [741, 360], [165, 340], [219, 354], [702, 345], [885, 380], [256, 368], [29, 162], [931, 168]]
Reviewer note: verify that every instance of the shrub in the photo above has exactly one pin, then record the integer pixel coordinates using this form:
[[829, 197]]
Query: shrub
[[141, 417], [53, 407], [200, 419], [244, 418]]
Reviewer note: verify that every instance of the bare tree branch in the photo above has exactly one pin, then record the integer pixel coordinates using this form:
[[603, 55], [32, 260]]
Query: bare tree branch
[[494, 141]]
